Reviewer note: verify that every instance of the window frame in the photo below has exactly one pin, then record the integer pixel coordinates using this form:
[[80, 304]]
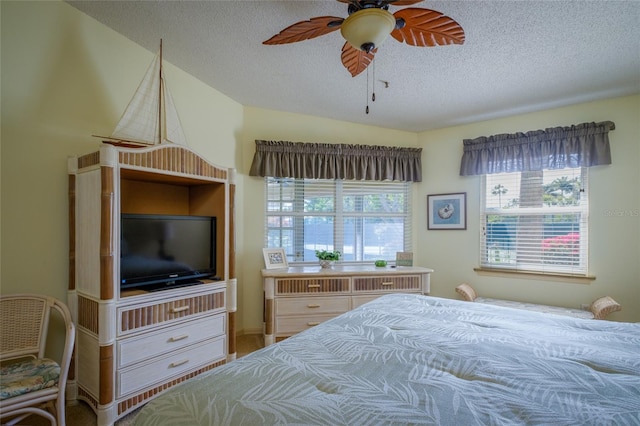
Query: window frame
[[339, 187], [545, 264]]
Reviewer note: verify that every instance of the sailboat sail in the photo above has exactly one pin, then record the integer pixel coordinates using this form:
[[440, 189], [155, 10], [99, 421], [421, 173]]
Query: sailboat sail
[[151, 117], [172, 125]]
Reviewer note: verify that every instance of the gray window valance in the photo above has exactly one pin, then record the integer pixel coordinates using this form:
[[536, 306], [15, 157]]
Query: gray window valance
[[580, 145], [336, 161]]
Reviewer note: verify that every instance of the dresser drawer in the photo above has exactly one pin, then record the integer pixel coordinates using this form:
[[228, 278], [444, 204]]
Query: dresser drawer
[[391, 284], [292, 325], [149, 345], [361, 300], [140, 376], [156, 314], [312, 305], [286, 286]]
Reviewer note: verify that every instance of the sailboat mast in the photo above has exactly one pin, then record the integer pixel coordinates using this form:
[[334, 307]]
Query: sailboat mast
[[160, 98]]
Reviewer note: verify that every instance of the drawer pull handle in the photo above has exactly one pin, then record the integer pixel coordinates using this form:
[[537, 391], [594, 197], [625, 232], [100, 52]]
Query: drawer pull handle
[[178, 338], [180, 309], [313, 306], [313, 286], [386, 284], [311, 324], [178, 363]]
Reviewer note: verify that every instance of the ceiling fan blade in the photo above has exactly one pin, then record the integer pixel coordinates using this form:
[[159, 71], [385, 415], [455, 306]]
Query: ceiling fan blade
[[356, 60], [424, 27], [305, 30]]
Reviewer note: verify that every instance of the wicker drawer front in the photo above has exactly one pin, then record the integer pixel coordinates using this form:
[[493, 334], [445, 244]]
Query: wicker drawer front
[[286, 326], [313, 285], [143, 375], [144, 316], [149, 345], [312, 305], [402, 283]]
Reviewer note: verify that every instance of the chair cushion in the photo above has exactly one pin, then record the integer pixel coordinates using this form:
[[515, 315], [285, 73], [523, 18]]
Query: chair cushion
[[28, 376]]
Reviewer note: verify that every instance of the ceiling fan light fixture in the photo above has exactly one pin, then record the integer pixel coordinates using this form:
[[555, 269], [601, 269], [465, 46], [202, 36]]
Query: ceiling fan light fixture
[[366, 29]]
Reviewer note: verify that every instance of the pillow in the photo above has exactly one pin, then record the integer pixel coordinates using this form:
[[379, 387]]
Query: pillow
[[604, 306], [467, 292]]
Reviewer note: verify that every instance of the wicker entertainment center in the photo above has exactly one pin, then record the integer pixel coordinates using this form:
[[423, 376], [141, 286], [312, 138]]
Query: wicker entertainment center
[[134, 344]]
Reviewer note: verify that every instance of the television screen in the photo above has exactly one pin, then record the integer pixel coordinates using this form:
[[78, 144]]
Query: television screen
[[161, 251]]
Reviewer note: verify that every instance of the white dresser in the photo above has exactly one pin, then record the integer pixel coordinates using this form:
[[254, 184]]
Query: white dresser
[[298, 298], [168, 334]]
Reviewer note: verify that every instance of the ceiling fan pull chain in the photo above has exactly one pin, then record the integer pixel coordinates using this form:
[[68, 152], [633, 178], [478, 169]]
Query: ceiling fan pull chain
[[367, 98], [373, 83]]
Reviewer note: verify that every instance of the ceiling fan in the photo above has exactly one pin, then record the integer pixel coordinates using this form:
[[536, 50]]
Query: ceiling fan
[[369, 23]]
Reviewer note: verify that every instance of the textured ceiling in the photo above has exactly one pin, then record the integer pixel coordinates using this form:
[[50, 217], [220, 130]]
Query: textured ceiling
[[519, 56]]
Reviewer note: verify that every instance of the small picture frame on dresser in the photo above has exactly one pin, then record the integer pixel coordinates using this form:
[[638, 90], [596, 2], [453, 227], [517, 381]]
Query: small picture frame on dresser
[[404, 258], [275, 258]]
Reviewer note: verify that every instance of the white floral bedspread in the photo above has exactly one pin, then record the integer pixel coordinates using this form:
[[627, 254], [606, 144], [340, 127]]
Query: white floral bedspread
[[406, 359]]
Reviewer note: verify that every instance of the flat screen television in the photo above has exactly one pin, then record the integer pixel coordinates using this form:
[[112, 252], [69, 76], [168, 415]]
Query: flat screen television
[[164, 251]]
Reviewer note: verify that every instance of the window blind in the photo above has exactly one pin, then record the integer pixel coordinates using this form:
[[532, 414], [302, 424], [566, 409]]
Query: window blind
[[536, 221], [364, 220]]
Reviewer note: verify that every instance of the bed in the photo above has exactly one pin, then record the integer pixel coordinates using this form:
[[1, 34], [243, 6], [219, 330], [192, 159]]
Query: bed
[[409, 359]]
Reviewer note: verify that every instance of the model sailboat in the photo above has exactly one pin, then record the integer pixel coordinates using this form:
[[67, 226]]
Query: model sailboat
[[151, 117]]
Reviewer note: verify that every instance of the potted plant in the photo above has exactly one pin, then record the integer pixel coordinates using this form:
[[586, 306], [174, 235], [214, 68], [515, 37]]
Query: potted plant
[[327, 257]]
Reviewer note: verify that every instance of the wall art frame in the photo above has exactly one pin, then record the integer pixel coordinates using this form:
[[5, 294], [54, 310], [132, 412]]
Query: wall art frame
[[275, 258], [447, 211]]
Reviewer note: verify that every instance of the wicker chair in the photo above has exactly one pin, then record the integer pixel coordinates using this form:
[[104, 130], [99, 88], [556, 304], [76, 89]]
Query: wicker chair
[[30, 383]]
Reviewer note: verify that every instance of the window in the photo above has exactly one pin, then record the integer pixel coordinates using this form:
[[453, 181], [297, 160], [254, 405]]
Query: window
[[364, 220], [536, 221]]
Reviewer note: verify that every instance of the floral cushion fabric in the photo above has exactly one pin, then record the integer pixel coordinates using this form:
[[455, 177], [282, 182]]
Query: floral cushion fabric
[[28, 376]]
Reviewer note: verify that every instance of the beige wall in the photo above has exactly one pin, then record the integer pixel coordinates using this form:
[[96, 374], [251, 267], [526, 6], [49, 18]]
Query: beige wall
[[273, 125], [454, 254], [66, 77], [614, 241]]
